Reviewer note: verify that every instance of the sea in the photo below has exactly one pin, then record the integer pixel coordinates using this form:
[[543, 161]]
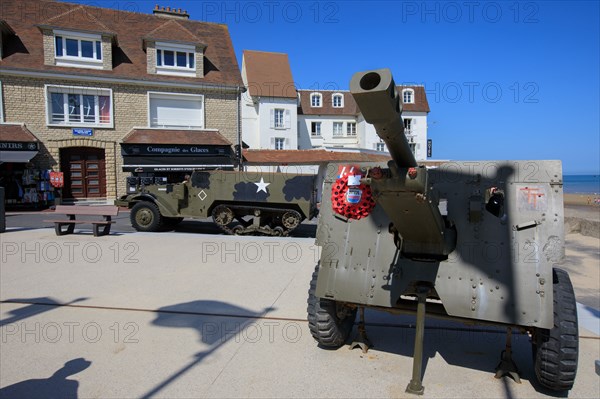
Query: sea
[[585, 184]]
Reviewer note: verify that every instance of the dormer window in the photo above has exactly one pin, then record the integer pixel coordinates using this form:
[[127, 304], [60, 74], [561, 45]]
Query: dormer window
[[337, 100], [316, 100], [82, 50], [175, 59], [408, 96]]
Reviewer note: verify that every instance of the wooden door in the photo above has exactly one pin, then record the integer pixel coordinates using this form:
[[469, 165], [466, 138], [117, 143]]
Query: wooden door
[[85, 172]]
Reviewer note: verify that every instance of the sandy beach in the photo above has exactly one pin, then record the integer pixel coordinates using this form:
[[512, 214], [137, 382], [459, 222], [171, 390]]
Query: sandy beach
[[585, 199]]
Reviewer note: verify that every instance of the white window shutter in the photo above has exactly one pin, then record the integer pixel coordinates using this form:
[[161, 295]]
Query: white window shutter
[[272, 142], [414, 122], [272, 119], [287, 119], [286, 144]]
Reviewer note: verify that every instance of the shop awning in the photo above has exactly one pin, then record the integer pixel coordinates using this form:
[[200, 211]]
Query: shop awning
[[17, 143], [168, 150], [17, 156]]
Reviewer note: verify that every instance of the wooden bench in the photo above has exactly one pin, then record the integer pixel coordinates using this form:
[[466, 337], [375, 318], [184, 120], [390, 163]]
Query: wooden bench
[[100, 227]]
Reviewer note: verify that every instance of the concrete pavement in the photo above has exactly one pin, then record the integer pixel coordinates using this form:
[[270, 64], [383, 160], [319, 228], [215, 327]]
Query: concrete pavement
[[188, 315]]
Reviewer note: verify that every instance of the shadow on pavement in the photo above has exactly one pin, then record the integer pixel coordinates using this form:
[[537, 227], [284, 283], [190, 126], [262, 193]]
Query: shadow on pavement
[[215, 322], [57, 386], [472, 347], [34, 307]]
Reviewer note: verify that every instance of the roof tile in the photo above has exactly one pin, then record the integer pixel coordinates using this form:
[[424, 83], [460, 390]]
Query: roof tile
[[310, 157], [78, 18], [9, 132], [268, 74], [129, 58], [172, 31], [350, 108], [169, 136]]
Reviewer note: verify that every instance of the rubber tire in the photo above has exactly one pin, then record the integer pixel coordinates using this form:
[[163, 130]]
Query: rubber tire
[[324, 324], [556, 351], [155, 223]]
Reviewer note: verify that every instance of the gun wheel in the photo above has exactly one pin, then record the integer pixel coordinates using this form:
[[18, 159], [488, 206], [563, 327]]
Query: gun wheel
[[329, 322], [145, 216], [222, 215], [290, 220], [555, 351]]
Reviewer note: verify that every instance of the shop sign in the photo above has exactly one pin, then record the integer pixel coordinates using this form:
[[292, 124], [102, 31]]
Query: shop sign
[[429, 148], [83, 132], [18, 146], [172, 150]]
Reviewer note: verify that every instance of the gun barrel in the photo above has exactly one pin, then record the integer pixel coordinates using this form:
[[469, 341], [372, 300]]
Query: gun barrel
[[378, 100]]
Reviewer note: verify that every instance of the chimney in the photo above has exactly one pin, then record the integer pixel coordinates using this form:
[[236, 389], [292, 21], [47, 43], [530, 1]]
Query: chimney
[[169, 12]]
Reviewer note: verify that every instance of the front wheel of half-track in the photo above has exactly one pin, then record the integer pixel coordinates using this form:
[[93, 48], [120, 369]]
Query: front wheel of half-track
[[145, 216], [329, 322], [556, 351]]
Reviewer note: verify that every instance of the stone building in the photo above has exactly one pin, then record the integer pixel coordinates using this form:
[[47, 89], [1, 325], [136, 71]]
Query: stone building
[[105, 94]]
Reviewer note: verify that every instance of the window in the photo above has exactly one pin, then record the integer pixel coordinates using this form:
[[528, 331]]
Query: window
[[171, 110], [278, 121], [380, 146], [315, 128], [351, 129], [407, 125], [337, 100], [77, 49], [79, 106], [315, 99], [280, 118], [408, 96], [337, 128], [279, 143], [175, 59]]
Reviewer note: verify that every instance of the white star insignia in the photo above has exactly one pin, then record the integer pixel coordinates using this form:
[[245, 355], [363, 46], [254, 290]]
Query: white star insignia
[[261, 186]]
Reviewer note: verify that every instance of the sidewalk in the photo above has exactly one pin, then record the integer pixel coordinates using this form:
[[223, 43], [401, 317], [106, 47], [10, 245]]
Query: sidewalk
[[187, 315]]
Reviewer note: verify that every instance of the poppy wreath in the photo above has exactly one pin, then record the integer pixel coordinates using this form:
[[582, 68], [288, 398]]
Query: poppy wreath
[[353, 202]]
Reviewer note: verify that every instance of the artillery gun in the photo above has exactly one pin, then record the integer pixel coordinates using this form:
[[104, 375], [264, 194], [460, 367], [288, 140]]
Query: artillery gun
[[240, 203], [474, 242]]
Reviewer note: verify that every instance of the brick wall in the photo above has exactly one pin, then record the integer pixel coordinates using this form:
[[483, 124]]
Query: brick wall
[[151, 57], [199, 62], [24, 102], [48, 40], [107, 59]]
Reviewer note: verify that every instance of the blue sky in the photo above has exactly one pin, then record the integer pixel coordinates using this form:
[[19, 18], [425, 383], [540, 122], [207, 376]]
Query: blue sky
[[505, 80]]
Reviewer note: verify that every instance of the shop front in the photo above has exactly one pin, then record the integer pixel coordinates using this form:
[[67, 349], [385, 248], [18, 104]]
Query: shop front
[[167, 156], [25, 184]]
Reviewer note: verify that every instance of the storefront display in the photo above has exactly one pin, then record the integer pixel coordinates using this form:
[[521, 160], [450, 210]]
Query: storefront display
[[25, 185]]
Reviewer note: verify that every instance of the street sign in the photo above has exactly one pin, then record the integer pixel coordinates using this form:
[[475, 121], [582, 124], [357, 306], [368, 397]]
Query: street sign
[[83, 132]]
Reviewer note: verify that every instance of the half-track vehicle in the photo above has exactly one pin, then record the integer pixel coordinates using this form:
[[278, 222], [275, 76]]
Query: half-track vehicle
[[474, 242], [239, 202]]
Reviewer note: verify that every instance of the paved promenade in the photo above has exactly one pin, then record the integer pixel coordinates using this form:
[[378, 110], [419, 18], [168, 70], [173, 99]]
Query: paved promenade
[[197, 315]]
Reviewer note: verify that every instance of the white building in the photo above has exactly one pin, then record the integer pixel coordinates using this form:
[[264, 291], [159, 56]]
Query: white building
[[269, 106], [331, 119], [327, 119], [277, 116]]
